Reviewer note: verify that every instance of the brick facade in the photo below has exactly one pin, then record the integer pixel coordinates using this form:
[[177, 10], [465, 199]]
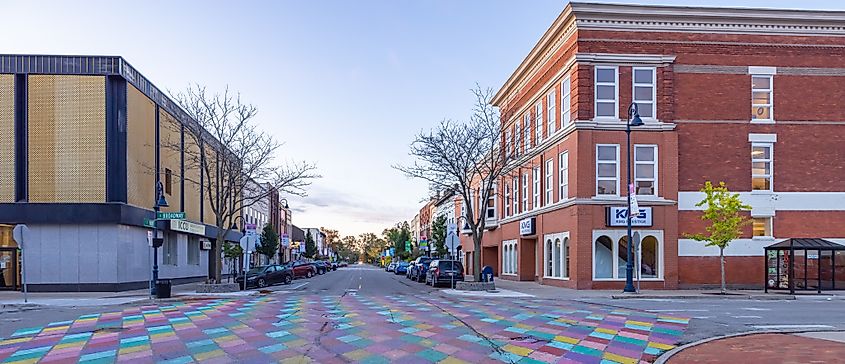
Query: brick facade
[[702, 129]]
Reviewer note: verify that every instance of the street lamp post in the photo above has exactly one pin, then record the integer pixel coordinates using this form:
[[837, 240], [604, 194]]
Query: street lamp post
[[159, 203], [633, 120]]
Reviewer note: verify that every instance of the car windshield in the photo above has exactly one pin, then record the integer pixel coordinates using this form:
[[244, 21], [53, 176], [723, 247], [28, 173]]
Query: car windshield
[[256, 270], [450, 265]]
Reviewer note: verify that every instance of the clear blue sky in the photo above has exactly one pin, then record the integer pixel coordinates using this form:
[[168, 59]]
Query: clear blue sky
[[345, 84]]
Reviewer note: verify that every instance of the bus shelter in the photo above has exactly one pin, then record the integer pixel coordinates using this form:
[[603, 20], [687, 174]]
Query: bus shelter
[[805, 264]]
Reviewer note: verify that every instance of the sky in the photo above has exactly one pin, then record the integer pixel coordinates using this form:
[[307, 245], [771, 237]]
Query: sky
[[344, 84]]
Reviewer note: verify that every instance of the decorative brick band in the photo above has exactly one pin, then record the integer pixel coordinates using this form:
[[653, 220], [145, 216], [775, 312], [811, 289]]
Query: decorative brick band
[[743, 70]]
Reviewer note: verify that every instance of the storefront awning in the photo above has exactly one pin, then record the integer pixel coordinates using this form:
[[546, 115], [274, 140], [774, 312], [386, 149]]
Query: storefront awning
[[806, 243]]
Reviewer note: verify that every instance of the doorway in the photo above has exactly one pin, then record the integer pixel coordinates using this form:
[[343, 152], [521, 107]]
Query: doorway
[[9, 272]]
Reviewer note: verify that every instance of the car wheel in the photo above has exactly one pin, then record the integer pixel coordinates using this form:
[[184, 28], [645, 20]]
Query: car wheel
[[309, 274], [262, 283], [288, 279]]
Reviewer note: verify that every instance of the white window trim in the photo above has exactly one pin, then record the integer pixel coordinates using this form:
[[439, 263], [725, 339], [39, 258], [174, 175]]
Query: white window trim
[[535, 188], [507, 203], [771, 229], [508, 267], [605, 178], [565, 103], [656, 166], [771, 90], [551, 104], [771, 161], [538, 132], [614, 236], [596, 85], [564, 239], [515, 199], [563, 171], [653, 86], [550, 169], [509, 142], [494, 205], [526, 124], [524, 193]]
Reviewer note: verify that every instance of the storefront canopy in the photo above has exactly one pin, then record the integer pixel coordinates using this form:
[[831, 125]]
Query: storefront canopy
[[805, 264]]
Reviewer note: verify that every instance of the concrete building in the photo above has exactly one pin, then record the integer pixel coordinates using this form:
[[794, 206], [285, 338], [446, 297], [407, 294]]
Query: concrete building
[[746, 96], [83, 143]]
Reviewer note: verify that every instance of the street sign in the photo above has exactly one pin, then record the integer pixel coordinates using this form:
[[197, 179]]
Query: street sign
[[149, 223], [452, 228], [452, 240], [170, 215], [18, 234], [285, 240]]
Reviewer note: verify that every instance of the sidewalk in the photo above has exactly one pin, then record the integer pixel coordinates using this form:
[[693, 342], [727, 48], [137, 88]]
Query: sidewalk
[[816, 347], [551, 292], [83, 299]]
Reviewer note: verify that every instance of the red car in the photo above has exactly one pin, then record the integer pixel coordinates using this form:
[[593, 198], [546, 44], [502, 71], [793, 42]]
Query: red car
[[303, 269]]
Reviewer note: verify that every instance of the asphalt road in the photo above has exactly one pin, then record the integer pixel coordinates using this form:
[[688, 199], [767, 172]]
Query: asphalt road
[[360, 279]]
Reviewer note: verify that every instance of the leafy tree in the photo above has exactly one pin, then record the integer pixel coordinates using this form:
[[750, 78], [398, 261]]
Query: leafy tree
[[269, 245], [332, 240], [230, 253], [438, 236], [724, 213], [310, 245]]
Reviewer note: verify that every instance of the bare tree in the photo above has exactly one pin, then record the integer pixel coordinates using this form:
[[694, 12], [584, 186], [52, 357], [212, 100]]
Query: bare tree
[[232, 156], [467, 158]]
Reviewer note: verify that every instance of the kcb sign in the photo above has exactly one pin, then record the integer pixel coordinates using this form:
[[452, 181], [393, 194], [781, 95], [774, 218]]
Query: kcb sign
[[618, 216]]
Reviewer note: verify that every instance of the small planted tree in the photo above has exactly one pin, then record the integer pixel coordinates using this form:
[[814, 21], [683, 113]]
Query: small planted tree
[[438, 236], [232, 252], [310, 245], [269, 245], [723, 210]]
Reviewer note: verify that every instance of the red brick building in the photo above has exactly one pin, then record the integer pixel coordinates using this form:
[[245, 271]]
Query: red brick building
[[751, 97]]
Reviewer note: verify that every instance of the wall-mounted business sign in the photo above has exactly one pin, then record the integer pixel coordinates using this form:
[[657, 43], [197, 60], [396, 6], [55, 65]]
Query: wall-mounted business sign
[[618, 215], [527, 226], [187, 227], [206, 244]]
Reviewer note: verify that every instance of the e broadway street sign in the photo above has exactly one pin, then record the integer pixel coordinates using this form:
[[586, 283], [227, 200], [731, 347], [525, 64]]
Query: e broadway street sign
[[170, 215]]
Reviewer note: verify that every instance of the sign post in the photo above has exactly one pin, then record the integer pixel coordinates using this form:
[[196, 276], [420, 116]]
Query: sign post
[[18, 234], [636, 265]]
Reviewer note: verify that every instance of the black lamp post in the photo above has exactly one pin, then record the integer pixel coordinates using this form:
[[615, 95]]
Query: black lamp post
[[633, 120], [157, 242]]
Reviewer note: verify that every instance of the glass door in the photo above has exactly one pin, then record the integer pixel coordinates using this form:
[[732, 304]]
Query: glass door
[[9, 269]]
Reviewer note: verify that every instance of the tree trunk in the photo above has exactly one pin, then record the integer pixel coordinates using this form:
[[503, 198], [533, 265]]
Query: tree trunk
[[722, 266], [217, 259], [476, 258]]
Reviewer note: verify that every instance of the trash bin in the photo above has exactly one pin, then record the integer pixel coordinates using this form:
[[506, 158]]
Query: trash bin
[[163, 288]]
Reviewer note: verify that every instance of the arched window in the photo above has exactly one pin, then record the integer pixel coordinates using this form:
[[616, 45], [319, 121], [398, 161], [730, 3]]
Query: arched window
[[603, 264], [556, 258], [649, 259], [549, 259], [622, 257]]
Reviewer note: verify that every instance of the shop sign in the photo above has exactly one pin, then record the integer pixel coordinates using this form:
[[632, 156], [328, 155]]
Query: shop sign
[[187, 227], [618, 215], [206, 244], [285, 240], [527, 226]]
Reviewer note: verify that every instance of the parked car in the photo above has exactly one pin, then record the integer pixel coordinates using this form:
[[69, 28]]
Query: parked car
[[442, 270], [332, 265], [266, 275], [343, 263], [419, 268], [304, 269], [401, 268], [322, 267], [391, 267]]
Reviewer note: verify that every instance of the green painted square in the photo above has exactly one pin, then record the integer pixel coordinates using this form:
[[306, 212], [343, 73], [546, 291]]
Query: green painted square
[[411, 338], [542, 335], [587, 351], [432, 355], [629, 340], [363, 343], [530, 361], [375, 359]]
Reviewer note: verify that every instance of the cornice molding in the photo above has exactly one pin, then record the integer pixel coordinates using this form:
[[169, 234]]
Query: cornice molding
[[622, 200], [624, 59]]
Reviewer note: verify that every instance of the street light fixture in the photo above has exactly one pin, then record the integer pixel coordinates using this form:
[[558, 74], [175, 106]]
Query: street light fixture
[[633, 120], [157, 242]]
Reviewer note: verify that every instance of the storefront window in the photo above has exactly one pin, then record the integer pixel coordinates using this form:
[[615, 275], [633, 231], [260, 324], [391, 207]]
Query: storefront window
[[622, 257], [604, 258], [649, 259]]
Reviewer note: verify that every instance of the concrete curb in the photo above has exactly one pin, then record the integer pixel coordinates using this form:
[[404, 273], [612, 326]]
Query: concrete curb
[[693, 297], [663, 358]]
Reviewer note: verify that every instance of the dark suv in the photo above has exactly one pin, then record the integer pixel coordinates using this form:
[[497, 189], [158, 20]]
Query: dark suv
[[265, 275], [418, 268], [444, 271]]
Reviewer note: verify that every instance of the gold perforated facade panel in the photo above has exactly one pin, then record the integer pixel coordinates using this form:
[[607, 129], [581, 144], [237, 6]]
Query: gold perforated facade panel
[[170, 157], [7, 138], [66, 138], [140, 148], [192, 178]]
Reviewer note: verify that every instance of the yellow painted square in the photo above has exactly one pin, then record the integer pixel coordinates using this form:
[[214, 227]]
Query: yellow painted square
[[209, 354], [69, 345], [15, 341], [224, 339], [619, 358], [301, 359], [606, 331], [353, 355], [566, 339], [134, 349], [423, 326], [57, 328], [518, 350], [640, 323], [25, 361], [296, 343], [452, 360], [523, 326], [660, 346], [426, 342]]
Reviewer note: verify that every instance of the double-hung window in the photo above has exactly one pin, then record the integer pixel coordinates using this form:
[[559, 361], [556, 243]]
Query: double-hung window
[[645, 169], [761, 226], [761, 166], [524, 192], [535, 202], [607, 170], [565, 103], [508, 143], [515, 200], [606, 92], [550, 166], [526, 121], [538, 111], [491, 203], [507, 201], [517, 138], [563, 178], [551, 102], [761, 98], [644, 95]]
